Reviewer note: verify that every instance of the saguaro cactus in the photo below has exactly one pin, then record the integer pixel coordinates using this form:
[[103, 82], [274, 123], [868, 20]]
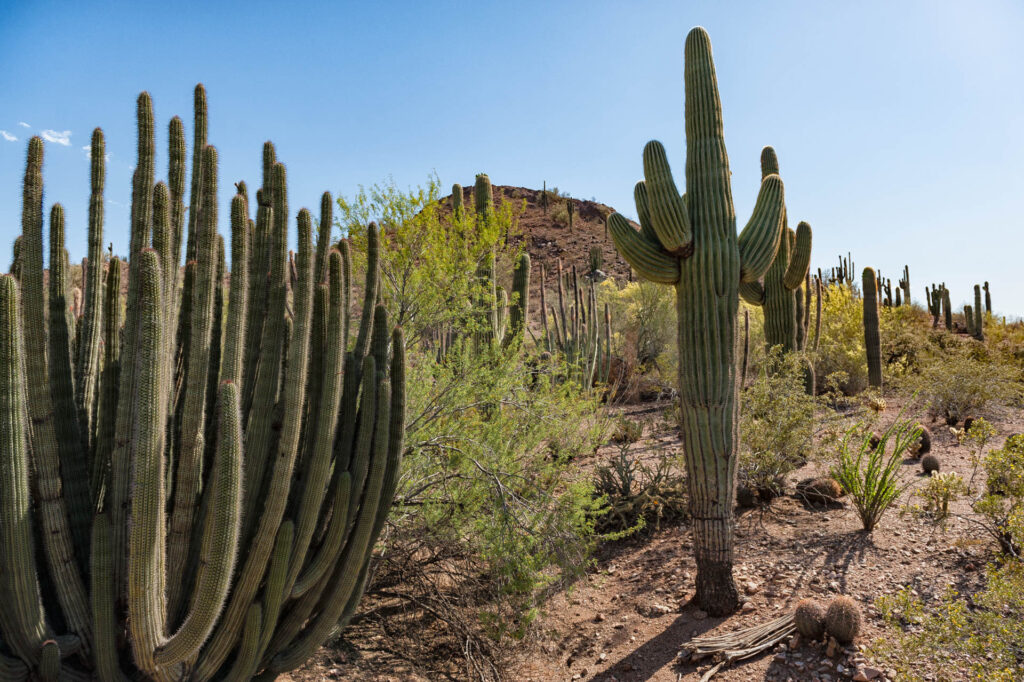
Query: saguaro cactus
[[872, 340], [988, 299], [979, 315], [159, 486], [783, 294], [691, 242]]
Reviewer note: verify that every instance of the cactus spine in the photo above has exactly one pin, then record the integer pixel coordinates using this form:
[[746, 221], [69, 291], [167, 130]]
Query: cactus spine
[[692, 243], [872, 341], [161, 560]]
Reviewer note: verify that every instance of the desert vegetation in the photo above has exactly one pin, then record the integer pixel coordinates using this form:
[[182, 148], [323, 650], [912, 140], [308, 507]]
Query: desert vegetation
[[499, 433]]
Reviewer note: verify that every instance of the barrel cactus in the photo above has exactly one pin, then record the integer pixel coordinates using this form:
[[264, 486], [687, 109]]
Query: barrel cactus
[[690, 241], [842, 619], [809, 618], [162, 556]]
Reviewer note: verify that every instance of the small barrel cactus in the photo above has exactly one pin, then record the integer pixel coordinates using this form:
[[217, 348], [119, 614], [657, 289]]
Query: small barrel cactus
[[809, 618], [923, 444], [821, 490], [842, 619], [930, 464]]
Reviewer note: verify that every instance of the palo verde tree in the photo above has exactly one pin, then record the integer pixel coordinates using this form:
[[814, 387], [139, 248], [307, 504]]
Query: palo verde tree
[[690, 241]]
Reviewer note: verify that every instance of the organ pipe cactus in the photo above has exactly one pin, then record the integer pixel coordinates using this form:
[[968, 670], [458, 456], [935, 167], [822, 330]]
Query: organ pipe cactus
[[872, 340], [576, 333], [691, 242], [155, 521]]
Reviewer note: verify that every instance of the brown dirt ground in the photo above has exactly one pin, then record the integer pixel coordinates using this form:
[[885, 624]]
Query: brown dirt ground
[[626, 620]]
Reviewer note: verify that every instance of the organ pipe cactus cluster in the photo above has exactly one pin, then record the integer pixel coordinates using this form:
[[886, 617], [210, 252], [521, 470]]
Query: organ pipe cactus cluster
[[872, 340], [575, 330], [201, 514], [690, 241]]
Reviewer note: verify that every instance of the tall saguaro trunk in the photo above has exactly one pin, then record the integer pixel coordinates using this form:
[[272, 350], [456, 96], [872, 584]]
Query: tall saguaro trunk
[[690, 241]]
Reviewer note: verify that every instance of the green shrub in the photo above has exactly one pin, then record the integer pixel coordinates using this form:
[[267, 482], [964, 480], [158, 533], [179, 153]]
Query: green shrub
[[871, 478], [776, 424], [939, 491], [483, 492], [644, 328], [962, 380], [958, 638], [636, 495], [841, 348]]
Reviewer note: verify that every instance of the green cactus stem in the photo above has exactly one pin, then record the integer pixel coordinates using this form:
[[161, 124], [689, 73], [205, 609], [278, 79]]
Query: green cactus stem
[[988, 299], [697, 249], [872, 340], [979, 315]]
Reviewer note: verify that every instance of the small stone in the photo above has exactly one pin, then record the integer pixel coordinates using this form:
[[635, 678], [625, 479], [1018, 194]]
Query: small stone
[[833, 645], [866, 673], [603, 657], [751, 587], [748, 607]]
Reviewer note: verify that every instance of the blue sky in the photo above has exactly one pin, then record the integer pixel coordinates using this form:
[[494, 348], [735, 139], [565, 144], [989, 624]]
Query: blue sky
[[898, 124]]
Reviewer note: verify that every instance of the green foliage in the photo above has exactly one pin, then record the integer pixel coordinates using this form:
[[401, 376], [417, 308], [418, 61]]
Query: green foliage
[[940, 490], [481, 488], [841, 348], [960, 637], [776, 422], [422, 246], [867, 474], [644, 315], [637, 495], [961, 380]]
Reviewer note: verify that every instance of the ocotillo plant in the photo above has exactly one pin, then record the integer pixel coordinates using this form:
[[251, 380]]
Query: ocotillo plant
[[872, 340], [575, 332], [144, 576], [692, 244], [783, 294]]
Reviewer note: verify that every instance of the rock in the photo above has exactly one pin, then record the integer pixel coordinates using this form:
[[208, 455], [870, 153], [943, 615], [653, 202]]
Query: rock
[[751, 587], [833, 646], [866, 673], [748, 607], [599, 618]]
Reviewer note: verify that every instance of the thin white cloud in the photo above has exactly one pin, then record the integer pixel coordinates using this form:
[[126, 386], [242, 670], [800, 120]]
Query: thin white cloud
[[57, 137], [7, 136], [23, 124]]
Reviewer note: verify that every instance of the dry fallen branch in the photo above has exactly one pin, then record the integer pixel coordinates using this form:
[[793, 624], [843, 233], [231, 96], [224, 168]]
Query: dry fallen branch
[[736, 646]]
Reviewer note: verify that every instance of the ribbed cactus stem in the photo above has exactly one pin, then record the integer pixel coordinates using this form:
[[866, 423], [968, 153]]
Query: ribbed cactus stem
[[220, 535], [74, 467], [457, 202], [190, 441], [988, 299], [235, 340], [519, 311], [87, 367], [872, 340], [979, 315], [48, 487], [147, 603], [22, 619], [323, 238], [698, 250]]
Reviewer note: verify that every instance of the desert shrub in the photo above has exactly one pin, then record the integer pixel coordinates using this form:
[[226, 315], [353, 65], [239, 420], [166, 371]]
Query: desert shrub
[[644, 324], [904, 334], [626, 430], [963, 380], [939, 491], [422, 246], [776, 424], [841, 346], [487, 514], [867, 474], [636, 495], [1001, 507], [960, 637]]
